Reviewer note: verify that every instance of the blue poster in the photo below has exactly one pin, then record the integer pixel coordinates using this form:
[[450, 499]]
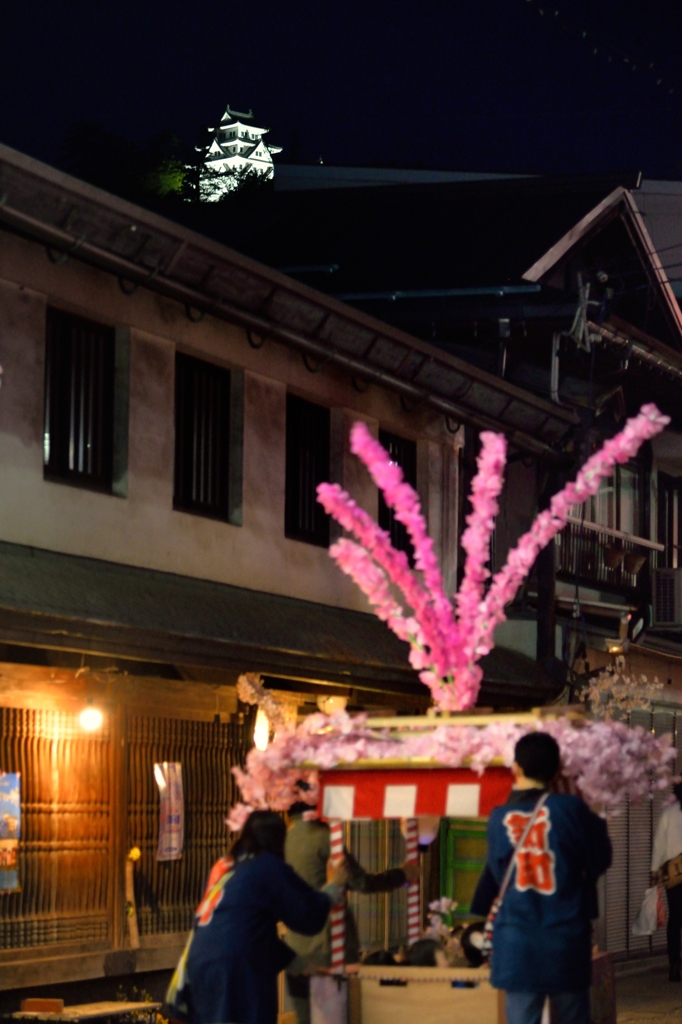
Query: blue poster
[[10, 830]]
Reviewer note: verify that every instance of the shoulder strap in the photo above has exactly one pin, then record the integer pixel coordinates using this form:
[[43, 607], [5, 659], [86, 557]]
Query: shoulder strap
[[524, 835], [214, 893]]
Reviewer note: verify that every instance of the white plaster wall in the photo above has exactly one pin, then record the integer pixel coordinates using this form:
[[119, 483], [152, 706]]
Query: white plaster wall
[[522, 635], [143, 529]]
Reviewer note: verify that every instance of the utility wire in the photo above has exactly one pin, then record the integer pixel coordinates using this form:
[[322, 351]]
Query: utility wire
[[610, 264], [609, 54]]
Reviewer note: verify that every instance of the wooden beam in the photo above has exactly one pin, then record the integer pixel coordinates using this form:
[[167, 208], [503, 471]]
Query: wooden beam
[[33, 686]]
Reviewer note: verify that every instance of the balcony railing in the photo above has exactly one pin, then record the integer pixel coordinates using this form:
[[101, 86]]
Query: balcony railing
[[599, 555]]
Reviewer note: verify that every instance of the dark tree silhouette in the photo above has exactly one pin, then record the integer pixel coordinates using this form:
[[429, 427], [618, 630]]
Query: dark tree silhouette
[[138, 173], [160, 173]]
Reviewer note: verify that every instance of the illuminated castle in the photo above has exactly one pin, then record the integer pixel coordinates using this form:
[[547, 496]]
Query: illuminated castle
[[237, 148]]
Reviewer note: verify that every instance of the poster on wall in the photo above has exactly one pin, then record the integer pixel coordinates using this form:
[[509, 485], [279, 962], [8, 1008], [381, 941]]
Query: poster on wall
[[168, 775], [10, 831]]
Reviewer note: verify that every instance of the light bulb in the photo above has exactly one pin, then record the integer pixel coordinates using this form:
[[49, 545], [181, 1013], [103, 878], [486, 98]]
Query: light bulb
[[91, 719], [261, 731], [328, 705]]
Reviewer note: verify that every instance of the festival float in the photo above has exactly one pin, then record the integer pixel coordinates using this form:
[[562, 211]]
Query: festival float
[[450, 762]]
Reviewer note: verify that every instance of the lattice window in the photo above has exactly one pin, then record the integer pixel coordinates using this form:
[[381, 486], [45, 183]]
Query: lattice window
[[167, 892], [632, 832], [381, 918], [669, 522], [64, 850], [79, 400], [307, 465], [202, 437]]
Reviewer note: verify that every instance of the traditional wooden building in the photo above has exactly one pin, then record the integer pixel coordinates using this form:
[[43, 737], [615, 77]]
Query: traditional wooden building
[[554, 285], [167, 409]]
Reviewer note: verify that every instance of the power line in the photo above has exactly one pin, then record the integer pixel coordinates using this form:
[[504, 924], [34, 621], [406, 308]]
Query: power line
[[667, 248], [610, 54]]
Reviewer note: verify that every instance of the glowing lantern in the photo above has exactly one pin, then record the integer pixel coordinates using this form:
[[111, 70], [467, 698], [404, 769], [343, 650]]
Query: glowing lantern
[[91, 719], [261, 731], [328, 705]]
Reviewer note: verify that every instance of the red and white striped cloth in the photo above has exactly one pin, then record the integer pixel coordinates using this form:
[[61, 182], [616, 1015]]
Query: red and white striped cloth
[[337, 918], [372, 794], [414, 924]]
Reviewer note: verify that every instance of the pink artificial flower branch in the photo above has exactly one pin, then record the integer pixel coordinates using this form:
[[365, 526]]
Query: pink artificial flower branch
[[445, 650], [250, 690], [376, 542], [404, 500], [485, 490], [550, 522]]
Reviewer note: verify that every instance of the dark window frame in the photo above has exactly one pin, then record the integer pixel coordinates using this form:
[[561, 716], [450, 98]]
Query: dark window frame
[[79, 399], [202, 455], [403, 451], [669, 512], [308, 458]]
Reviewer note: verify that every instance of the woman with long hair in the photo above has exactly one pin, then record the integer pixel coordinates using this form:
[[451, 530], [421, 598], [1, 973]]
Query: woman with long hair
[[668, 848], [235, 954]]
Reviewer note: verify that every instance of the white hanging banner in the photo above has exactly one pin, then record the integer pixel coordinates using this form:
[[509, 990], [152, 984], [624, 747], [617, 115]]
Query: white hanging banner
[[168, 775]]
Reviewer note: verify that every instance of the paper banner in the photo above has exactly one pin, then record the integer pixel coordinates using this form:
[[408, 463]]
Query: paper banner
[[10, 830], [168, 775]]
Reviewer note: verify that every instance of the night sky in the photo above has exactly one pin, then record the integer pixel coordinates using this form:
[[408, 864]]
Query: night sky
[[490, 85]]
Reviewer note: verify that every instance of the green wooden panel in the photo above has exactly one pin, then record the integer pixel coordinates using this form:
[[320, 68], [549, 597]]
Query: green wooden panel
[[463, 857]]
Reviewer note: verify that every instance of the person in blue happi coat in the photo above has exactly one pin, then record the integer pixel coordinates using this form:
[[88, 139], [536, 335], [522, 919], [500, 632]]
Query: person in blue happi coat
[[542, 943], [235, 954]]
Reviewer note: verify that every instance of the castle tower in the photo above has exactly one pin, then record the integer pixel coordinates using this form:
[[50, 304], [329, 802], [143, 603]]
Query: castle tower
[[237, 147]]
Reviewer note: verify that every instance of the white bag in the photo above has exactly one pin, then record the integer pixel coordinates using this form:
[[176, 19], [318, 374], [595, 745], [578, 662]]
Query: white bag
[[328, 999], [648, 919]]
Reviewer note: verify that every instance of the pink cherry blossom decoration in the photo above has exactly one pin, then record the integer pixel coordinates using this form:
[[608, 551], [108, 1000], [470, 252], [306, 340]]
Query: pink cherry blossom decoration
[[607, 762], [445, 648]]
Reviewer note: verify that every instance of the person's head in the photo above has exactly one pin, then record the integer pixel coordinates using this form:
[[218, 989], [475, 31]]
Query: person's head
[[537, 758], [299, 808], [472, 943], [379, 958], [264, 832], [677, 790], [426, 953]]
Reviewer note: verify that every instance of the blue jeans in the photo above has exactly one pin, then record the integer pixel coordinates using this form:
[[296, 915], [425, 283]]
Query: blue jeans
[[566, 1008]]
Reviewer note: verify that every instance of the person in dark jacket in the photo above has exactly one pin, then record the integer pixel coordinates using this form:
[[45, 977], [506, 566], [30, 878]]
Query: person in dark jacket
[[307, 851], [235, 954], [542, 942]]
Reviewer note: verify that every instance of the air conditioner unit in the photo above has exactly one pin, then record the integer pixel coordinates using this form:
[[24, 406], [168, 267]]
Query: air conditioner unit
[[668, 597]]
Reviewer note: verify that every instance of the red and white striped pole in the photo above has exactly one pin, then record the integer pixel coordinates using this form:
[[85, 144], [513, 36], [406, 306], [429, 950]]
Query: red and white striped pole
[[337, 918], [414, 924]]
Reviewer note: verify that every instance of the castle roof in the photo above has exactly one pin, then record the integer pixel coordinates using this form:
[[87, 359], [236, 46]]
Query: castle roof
[[218, 151], [236, 115]]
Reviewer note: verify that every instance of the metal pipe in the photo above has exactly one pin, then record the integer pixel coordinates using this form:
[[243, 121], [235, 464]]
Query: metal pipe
[[438, 293], [642, 542], [638, 350], [225, 310], [554, 373]]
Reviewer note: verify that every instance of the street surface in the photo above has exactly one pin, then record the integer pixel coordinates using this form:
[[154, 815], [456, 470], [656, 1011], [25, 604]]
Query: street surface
[[649, 998]]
